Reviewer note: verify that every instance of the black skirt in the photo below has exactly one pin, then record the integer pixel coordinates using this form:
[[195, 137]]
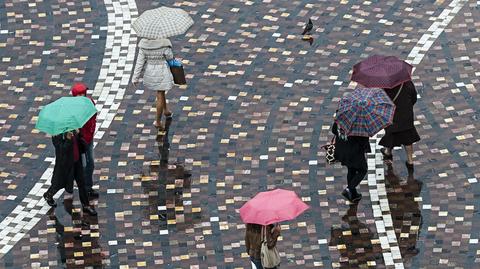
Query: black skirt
[[397, 139]]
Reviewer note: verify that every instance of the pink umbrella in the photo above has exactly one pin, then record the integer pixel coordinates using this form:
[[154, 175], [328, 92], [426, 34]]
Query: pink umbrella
[[379, 71], [272, 207]]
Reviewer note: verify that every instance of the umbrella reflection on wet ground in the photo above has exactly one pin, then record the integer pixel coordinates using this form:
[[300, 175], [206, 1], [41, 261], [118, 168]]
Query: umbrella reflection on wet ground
[[405, 210], [353, 239], [167, 185], [77, 246]]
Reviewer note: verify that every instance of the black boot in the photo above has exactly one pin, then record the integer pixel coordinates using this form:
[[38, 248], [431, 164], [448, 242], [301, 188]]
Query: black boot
[[89, 210], [49, 200], [356, 196], [351, 195], [92, 195], [347, 194]]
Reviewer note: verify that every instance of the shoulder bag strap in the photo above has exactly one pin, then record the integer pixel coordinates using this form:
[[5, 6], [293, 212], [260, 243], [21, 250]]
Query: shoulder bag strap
[[262, 234], [398, 93]]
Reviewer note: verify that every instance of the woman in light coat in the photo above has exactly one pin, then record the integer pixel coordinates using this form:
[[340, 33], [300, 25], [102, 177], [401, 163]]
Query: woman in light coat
[[152, 59]]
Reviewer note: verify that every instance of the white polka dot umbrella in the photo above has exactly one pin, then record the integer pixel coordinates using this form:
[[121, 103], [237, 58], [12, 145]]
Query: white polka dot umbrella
[[162, 22]]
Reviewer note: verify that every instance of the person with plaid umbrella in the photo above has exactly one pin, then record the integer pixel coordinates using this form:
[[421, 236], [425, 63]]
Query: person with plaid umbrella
[[152, 58], [395, 77], [360, 114], [350, 152], [154, 27]]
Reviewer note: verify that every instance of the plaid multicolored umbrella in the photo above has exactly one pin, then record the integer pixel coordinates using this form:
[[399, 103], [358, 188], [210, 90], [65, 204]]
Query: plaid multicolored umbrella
[[365, 112], [162, 22], [379, 71]]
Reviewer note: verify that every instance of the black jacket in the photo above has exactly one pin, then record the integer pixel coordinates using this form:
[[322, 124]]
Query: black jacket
[[351, 152], [403, 117], [63, 172]]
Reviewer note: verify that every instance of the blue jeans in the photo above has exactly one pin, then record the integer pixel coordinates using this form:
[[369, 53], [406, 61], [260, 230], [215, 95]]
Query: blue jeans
[[258, 264], [89, 167]]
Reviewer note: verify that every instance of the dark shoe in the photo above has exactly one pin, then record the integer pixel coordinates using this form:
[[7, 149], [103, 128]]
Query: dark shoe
[[49, 200], [92, 194], [357, 197], [347, 194], [409, 166], [352, 197], [89, 210], [387, 157], [169, 116]]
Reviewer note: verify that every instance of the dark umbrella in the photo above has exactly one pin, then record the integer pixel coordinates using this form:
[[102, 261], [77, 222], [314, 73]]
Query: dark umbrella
[[379, 71]]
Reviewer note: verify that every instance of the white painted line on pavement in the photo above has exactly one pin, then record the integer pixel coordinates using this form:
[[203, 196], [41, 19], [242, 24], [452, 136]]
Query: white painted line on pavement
[[376, 177], [109, 91]]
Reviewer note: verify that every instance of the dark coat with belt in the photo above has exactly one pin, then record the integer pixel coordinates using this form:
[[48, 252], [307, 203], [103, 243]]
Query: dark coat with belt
[[351, 152], [403, 117], [63, 172]]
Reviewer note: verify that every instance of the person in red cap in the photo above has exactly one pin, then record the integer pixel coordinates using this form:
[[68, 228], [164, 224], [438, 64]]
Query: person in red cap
[[68, 167], [87, 132]]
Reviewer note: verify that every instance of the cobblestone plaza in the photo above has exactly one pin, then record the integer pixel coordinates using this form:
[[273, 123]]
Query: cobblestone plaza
[[257, 108]]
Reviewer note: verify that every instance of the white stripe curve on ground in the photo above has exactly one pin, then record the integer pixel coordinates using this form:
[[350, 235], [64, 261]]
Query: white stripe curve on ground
[[376, 177], [109, 91]]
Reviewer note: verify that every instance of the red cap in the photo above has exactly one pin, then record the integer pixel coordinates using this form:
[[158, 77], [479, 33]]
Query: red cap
[[79, 88]]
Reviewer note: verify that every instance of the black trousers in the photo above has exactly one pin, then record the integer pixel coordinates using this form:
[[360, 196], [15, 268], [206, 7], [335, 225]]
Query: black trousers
[[79, 179], [355, 176]]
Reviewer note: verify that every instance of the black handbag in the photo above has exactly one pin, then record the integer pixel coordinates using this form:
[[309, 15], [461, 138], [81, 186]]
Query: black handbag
[[178, 75], [176, 68], [330, 151]]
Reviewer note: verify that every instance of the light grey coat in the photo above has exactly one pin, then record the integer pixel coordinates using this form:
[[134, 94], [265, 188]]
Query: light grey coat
[[153, 56]]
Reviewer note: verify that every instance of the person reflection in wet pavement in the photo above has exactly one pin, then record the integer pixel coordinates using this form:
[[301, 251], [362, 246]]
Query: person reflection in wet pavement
[[354, 241], [173, 180], [72, 241], [406, 213]]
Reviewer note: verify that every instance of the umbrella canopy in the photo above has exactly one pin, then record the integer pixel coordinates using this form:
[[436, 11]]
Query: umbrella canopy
[[162, 22], [365, 112], [380, 71], [272, 207], [65, 114]]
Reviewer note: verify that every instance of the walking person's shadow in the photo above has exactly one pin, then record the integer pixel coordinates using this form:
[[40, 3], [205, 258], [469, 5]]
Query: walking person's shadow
[[71, 241], [354, 241], [405, 211]]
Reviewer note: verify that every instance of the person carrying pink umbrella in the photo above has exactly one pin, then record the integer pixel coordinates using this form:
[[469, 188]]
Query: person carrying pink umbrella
[[260, 214]]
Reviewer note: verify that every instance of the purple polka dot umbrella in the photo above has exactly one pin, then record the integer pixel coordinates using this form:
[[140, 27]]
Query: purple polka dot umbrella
[[379, 71]]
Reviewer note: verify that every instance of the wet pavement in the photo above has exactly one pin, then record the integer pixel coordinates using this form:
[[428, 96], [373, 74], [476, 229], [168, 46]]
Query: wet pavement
[[254, 115]]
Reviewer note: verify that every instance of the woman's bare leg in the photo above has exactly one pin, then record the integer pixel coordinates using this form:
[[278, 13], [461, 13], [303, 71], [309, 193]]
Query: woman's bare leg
[[166, 112], [158, 119], [409, 151]]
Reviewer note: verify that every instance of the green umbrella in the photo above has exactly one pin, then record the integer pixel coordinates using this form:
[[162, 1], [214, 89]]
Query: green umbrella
[[65, 114]]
